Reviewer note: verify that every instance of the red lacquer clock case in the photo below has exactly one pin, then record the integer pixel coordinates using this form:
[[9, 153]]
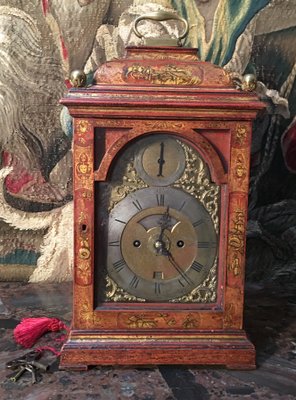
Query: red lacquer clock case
[[164, 95]]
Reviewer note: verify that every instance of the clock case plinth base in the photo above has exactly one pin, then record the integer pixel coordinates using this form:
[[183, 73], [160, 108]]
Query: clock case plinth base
[[230, 349]]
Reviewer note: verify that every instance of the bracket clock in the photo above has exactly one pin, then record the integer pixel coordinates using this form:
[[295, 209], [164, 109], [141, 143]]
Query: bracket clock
[[161, 161]]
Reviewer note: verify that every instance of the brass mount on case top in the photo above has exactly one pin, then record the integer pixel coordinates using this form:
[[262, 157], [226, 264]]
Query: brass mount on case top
[[165, 40]]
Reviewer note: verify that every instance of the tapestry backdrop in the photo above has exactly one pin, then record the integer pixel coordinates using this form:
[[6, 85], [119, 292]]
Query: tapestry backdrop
[[42, 41]]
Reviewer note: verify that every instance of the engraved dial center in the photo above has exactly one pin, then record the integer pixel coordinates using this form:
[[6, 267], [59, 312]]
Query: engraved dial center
[[158, 240], [157, 246]]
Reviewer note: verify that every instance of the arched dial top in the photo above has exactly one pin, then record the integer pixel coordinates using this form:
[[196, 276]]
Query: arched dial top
[[161, 243]]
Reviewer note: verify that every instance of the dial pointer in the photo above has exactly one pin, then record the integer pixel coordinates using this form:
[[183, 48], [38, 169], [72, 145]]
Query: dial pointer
[[164, 224], [161, 160], [177, 267]]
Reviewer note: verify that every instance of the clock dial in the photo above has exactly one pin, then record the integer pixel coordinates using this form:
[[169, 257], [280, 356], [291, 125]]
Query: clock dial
[[161, 243], [159, 240], [159, 159]]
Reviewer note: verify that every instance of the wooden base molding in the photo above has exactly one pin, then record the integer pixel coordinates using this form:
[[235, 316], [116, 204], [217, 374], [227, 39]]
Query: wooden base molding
[[230, 349]]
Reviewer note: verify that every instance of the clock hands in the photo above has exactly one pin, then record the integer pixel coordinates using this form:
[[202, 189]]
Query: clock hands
[[164, 223], [165, 220], [167, 253], [161, 248], [161, 160]]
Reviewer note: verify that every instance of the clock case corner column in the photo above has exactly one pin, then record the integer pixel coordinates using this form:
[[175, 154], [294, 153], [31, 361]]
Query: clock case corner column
[[238, 187], [83, 185]]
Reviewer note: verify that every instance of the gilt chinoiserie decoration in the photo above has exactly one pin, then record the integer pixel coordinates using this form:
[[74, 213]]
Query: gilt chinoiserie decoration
[[161, 163]]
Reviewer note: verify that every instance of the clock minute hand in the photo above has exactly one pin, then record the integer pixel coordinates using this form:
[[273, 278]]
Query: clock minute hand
[[176, 266], [161, 160], [166, 252]]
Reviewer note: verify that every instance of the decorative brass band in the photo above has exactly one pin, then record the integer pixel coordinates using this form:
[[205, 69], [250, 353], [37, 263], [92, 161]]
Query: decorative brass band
[[163, 75]]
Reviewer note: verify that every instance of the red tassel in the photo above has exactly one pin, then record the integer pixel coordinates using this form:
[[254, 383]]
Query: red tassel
[[31, 329]]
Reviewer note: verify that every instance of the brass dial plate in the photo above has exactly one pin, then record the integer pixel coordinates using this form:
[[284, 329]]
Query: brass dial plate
[[124, 181], [161, 243]]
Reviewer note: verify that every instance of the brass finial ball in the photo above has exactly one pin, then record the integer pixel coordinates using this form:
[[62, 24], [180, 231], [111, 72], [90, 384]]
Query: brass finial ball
[[78, 78], [249, 82]]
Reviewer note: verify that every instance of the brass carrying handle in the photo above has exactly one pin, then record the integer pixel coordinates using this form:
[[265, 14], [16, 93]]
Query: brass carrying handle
[[160, 16]]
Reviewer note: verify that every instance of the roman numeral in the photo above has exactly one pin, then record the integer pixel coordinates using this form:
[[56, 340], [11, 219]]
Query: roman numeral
[[160, 199], [116, 243], [119, 220], [134, 282], [157, 288], [182, 205], [119, 265], [137, 204], [197, 223], [197, 266]]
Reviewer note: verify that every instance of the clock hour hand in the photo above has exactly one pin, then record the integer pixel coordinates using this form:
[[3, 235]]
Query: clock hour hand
[[164, 222], [165, 219], [161, 160]]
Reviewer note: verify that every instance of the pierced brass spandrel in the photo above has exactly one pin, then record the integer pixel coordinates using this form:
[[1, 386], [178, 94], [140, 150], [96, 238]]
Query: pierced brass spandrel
[[130, 182], [205, 292], [196, 181], [117, 294]]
